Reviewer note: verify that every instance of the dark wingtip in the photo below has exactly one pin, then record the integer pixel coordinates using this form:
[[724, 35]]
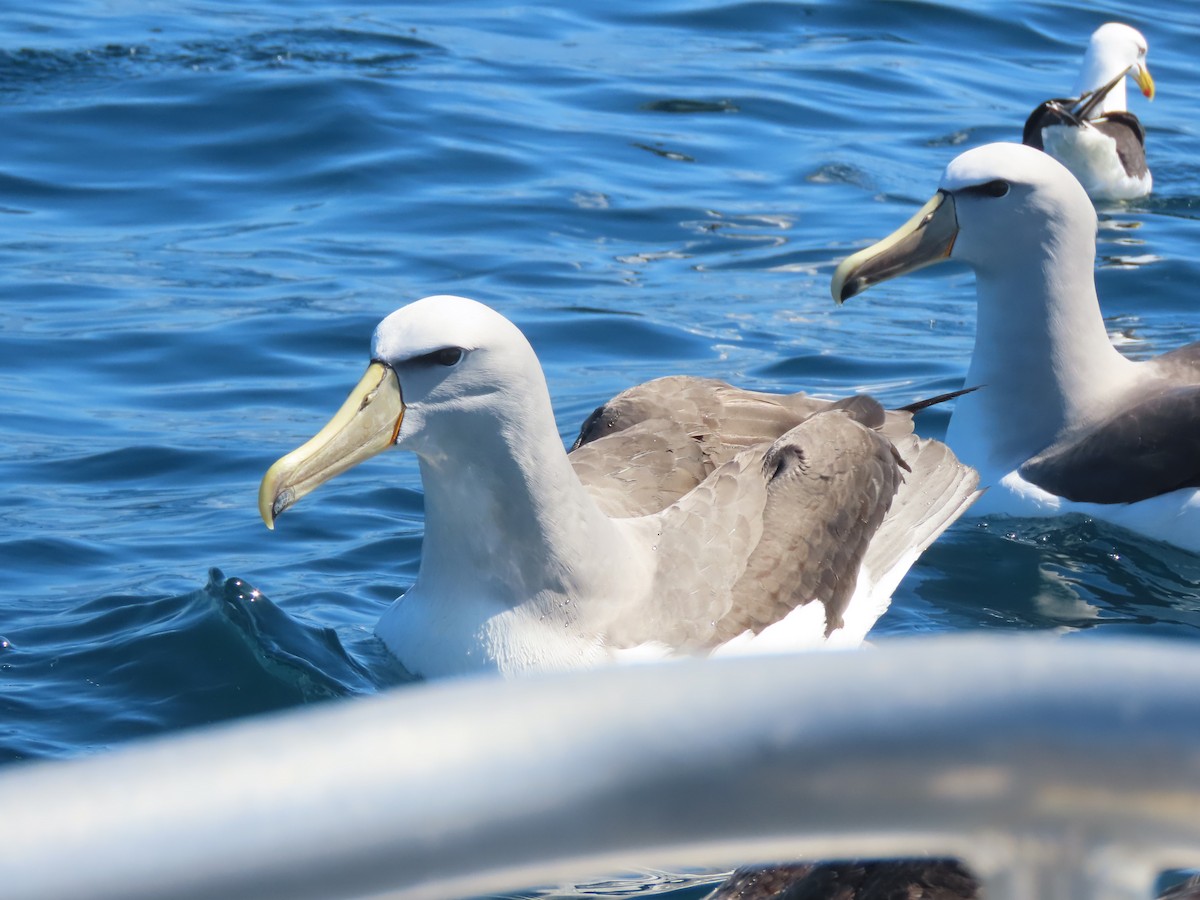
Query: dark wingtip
[[591, 425], [934, 401]]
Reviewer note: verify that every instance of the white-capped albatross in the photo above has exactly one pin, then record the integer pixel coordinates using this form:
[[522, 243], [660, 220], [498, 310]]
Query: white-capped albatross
[[1062, 421], [1093, 133], [691, 518]]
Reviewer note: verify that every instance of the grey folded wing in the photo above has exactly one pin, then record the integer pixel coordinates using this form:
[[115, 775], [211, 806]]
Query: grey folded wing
[[768, 501], [1148, 447], [1140, 452], [777, 526]]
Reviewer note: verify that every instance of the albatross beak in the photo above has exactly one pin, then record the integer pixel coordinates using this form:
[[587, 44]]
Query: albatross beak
[[1142, 76], [367, 423], [926, 238]]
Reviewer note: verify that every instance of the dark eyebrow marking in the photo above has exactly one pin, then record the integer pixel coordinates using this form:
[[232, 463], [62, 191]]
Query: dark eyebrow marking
[[997, 188], [446, 356]]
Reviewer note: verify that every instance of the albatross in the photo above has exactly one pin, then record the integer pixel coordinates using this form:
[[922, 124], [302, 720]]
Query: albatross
[[1062, 422], [690, 518], [1093, 133]]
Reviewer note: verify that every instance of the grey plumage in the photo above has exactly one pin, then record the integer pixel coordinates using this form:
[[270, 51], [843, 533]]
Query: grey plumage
[[1145, 448], [845, 483]]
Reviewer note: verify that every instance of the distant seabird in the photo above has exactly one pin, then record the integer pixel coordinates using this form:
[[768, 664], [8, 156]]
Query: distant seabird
[[1062, 421], [1093, 133], [691, 518]]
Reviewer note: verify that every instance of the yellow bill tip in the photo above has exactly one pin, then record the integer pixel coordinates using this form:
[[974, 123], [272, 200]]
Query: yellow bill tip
[[269, 506], [928, 237], [844, 284], [1145, 82]]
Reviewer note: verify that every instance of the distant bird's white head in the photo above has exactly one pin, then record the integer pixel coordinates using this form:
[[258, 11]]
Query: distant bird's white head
[[1114, 49], [445, 371], [999, 207]]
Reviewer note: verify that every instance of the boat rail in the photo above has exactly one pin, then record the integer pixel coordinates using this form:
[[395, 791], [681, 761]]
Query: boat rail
[[1063, 768]]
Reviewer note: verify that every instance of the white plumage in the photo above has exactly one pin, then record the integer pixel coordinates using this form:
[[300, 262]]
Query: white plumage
[[1062, 422]]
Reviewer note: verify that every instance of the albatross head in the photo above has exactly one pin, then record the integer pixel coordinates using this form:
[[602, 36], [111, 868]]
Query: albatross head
[[443, 370], [1114, 50], [1000, 208]]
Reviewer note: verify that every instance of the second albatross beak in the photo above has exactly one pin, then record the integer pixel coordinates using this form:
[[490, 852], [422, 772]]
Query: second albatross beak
[[926, 238]]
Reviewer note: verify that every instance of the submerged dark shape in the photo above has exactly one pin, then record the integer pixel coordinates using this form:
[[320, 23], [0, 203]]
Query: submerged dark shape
[[921, 879], [912, 879]]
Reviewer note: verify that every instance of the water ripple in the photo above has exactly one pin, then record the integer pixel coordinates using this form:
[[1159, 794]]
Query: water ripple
[[209, 207]]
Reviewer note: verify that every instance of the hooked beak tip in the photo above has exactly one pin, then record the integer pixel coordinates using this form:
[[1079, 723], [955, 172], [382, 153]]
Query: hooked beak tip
[[851, 288]]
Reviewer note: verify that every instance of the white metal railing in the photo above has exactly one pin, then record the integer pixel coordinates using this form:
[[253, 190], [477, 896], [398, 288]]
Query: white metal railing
[[1064, 769]]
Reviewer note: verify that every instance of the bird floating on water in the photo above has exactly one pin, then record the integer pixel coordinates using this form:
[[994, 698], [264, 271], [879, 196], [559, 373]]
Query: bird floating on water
[[691, 517], [1093, 133], [1062, 421]]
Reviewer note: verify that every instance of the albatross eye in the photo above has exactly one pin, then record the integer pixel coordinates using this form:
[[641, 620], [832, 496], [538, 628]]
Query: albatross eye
[[997, 188], [447, 356]]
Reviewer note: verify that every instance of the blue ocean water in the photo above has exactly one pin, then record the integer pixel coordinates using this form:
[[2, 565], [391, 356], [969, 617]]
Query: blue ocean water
[[206, 207]]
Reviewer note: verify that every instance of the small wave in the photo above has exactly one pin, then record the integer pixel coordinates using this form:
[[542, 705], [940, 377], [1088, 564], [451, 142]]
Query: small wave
[[309, 657], [105, 670], [35, 70]]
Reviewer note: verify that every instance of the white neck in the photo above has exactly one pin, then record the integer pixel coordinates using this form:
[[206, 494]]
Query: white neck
[[1042, 357], [1098, 71], [498, 524], [512, 544]]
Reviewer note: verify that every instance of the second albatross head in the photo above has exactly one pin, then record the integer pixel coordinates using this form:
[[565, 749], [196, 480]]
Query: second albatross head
[[999, 208]]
